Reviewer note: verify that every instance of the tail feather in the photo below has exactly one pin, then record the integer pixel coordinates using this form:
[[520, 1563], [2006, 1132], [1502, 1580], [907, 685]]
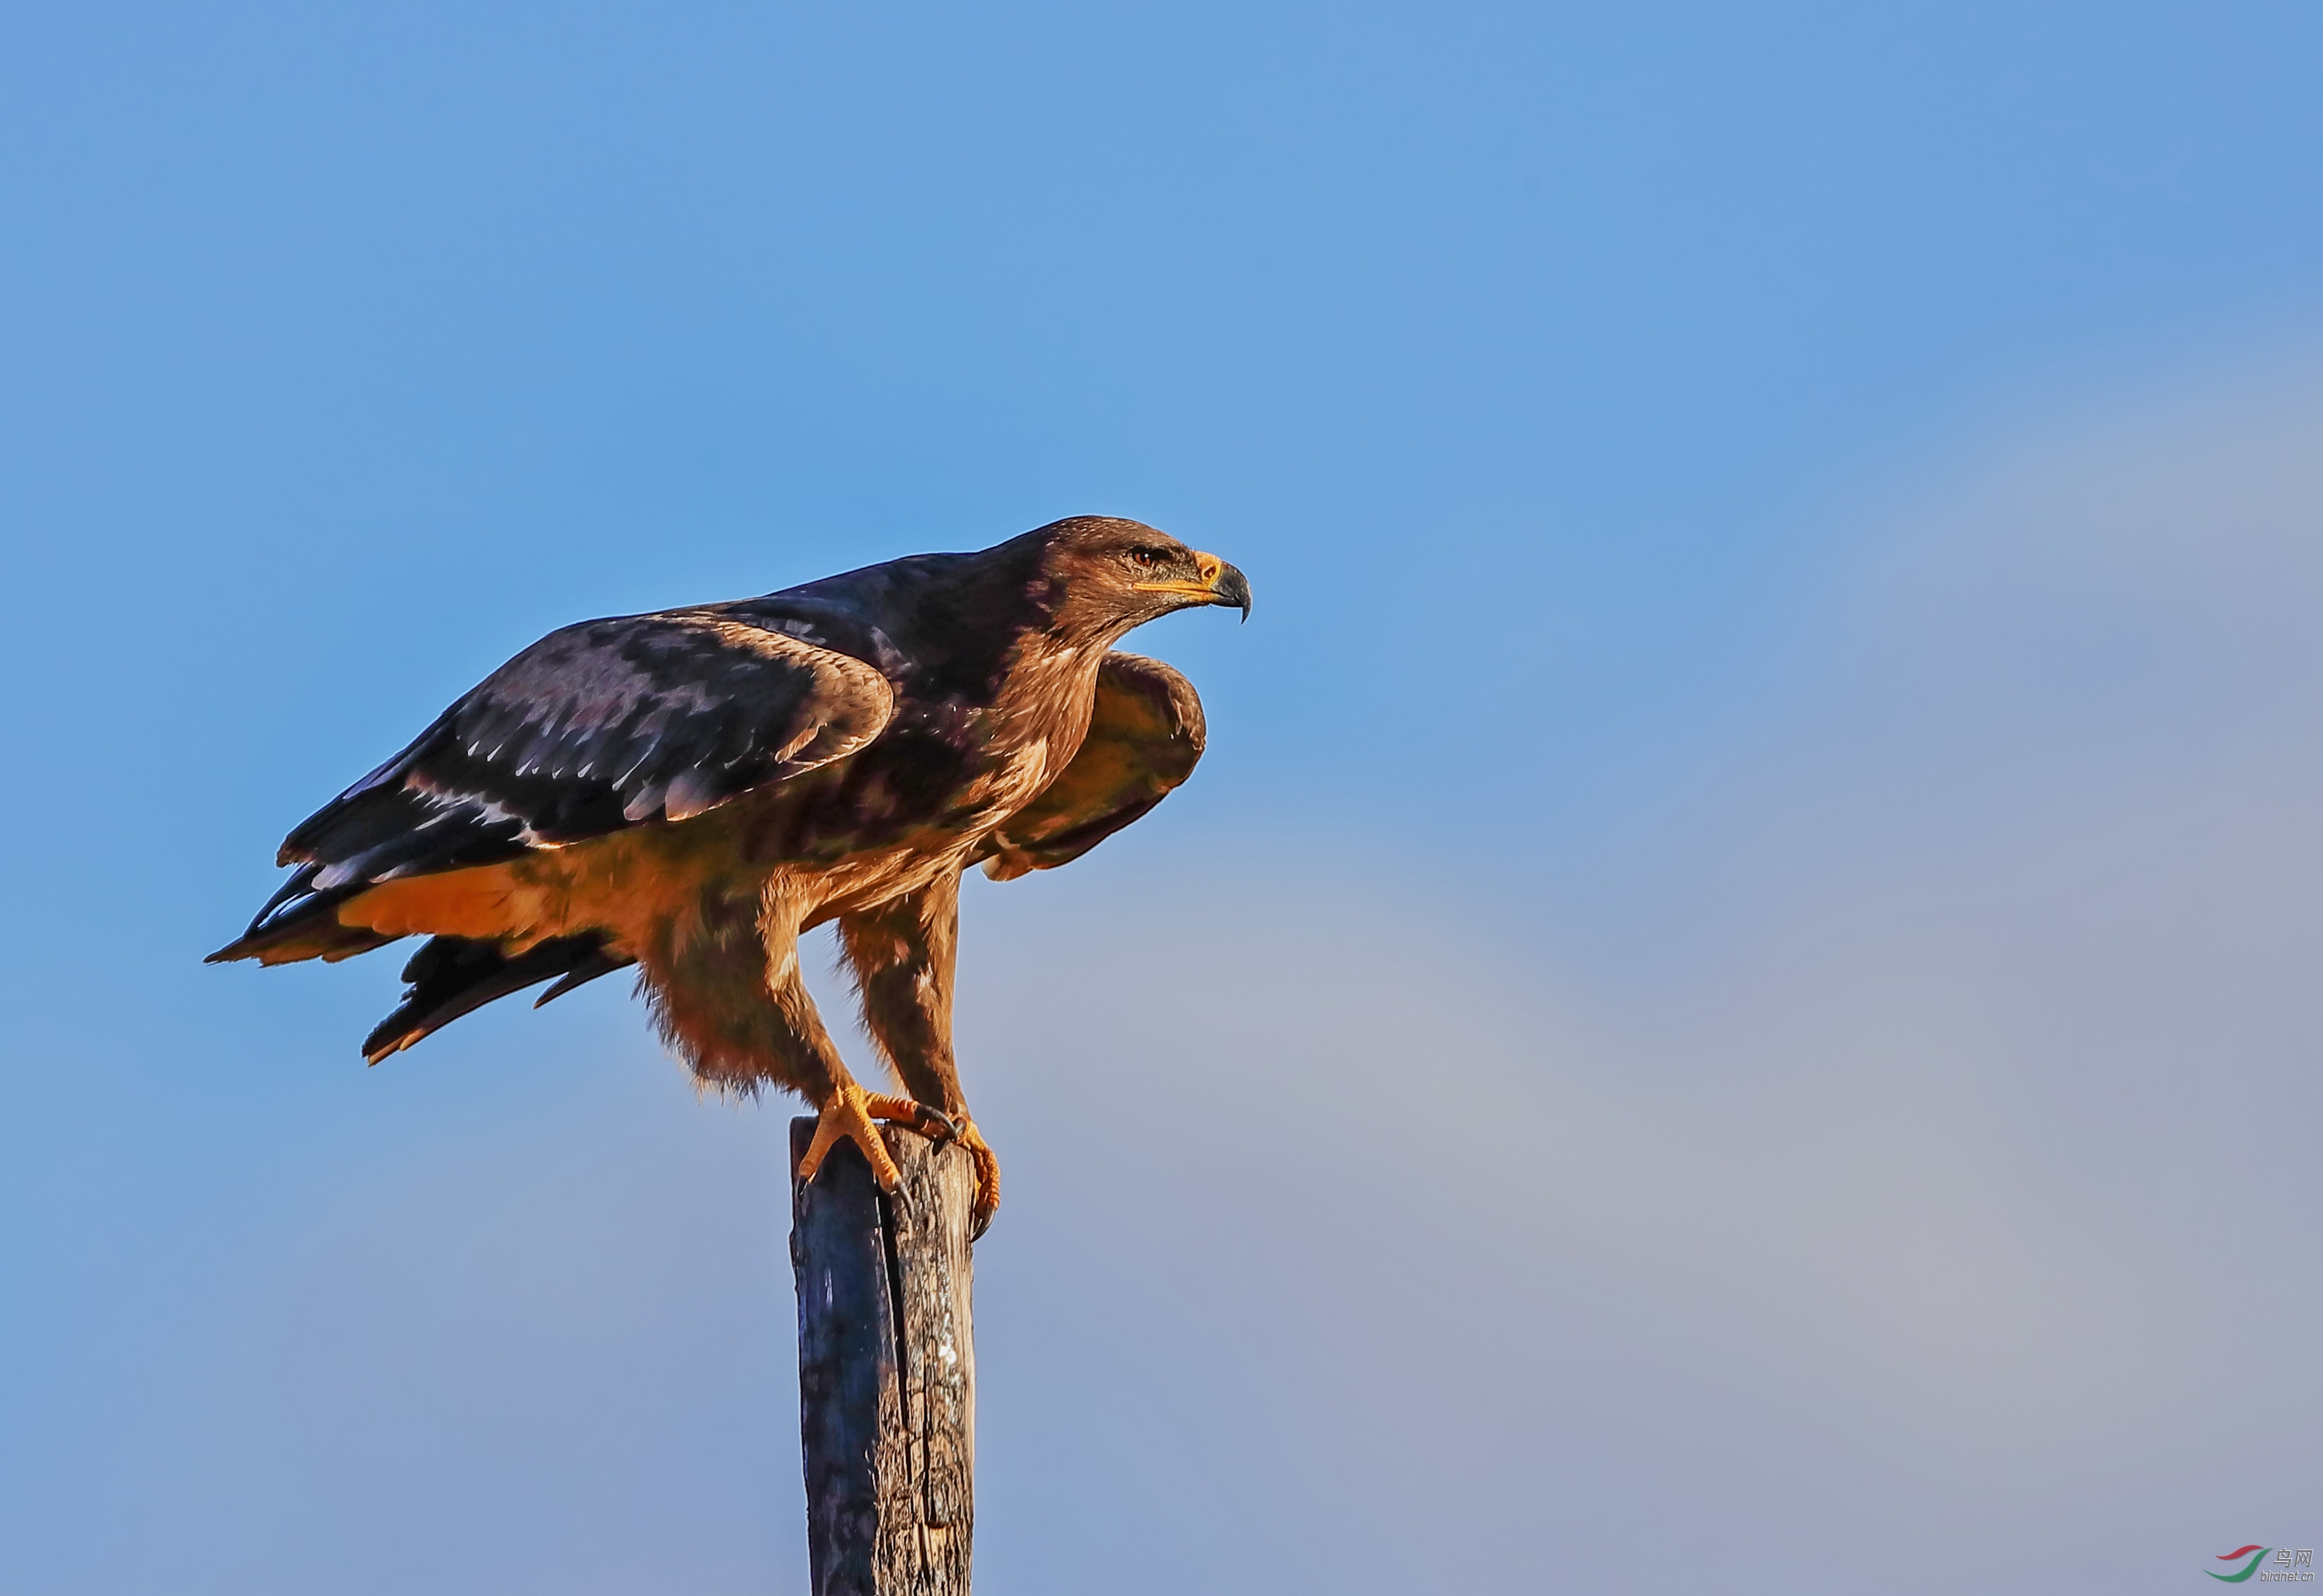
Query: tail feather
[[454, 976], [600, 963]]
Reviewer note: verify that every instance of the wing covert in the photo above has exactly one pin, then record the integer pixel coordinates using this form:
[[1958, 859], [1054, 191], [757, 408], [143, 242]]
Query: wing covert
[[599, 726]]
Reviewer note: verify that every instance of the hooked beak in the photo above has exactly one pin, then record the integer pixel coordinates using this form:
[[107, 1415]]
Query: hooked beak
[[1220, 583]]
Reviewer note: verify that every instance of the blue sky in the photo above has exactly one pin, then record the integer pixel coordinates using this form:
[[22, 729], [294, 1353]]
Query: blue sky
[[1752, 872]]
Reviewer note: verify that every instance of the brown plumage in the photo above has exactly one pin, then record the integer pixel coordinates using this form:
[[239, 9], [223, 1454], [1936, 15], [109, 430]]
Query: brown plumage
[[689, 790]]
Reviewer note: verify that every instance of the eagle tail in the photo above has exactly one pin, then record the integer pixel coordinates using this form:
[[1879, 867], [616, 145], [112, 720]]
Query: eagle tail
[[450, 977]]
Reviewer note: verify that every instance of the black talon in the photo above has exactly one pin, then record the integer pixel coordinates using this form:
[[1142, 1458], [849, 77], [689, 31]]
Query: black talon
[[950, 1131]]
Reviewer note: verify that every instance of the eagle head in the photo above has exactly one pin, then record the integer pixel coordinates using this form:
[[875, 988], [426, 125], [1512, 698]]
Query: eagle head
[[1114, 574]]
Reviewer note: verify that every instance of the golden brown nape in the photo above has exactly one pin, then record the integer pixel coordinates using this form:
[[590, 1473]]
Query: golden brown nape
[[687, 791]]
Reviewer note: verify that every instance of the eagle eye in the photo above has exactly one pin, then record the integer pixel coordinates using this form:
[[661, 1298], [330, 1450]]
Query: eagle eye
[[1149, 557]]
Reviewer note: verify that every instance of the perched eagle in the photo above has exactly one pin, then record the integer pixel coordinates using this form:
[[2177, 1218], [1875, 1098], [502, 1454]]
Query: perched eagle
[[688, 790]]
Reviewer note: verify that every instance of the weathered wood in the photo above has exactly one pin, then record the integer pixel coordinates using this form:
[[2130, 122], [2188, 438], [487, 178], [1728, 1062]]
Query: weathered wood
[[886, 1368]]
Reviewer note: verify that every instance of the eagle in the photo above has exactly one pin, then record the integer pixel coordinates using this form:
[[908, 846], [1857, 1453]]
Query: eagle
[[687, 791]]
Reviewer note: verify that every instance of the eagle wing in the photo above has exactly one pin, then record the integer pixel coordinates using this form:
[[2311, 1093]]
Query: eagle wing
[[1144, 736], [597, 726]]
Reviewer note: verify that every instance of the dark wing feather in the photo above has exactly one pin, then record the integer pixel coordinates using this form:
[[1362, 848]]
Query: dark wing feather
[[1145, 736], [600, 725], [450, 977]]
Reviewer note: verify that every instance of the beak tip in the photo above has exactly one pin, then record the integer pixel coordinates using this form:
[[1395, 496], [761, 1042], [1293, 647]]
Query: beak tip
[[1233, 588]]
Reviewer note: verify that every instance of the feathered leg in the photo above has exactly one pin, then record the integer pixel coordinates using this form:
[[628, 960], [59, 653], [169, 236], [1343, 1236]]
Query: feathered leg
[[727, 994], [903, 952]]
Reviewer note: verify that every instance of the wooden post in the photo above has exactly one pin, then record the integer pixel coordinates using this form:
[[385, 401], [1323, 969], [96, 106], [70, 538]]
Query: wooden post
[[886, 1368]]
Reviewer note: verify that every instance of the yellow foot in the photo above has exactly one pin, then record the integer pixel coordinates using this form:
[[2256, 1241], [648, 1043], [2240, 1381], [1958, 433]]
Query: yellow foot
[[987, 1177], [853, 1113]]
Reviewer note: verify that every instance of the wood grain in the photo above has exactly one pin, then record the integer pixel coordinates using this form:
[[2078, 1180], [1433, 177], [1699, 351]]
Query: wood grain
[[886, 1368]]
